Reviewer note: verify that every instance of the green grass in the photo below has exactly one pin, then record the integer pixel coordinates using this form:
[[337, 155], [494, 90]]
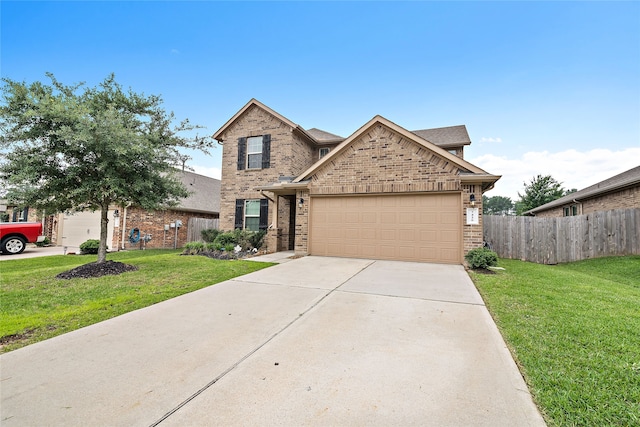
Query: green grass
[[34, 305], [574, 330]]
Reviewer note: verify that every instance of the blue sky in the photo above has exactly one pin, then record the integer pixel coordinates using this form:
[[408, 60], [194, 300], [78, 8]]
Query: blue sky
[[543, 87]]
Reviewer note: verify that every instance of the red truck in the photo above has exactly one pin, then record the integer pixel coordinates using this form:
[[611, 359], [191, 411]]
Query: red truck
[[15, 235]]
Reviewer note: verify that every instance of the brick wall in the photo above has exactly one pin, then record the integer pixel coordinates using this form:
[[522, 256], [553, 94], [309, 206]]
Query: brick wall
[[382, 161], [302, 223], [472, 234], [153, 222], [623, 199], [291, 155]]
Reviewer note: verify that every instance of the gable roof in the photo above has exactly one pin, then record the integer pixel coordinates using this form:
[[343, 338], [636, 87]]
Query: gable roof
[[450, 136], [256, 103], [205, 191], [615, 183], [473, 171]]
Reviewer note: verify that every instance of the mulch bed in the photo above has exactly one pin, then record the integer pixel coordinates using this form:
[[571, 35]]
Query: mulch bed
[[94, 269]]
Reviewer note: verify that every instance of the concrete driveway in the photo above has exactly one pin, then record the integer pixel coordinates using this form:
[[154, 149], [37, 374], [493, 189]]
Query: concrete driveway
[[314, 341], [32, 251]]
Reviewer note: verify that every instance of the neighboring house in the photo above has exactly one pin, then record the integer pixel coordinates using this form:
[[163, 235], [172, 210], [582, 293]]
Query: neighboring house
[[618, 192], [384, 192], [72, 229]]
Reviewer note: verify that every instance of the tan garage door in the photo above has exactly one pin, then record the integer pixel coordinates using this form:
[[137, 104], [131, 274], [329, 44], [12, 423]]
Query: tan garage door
[[425, 227], [79, 227]]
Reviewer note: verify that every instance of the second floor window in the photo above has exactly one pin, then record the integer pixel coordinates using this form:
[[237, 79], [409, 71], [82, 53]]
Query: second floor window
[[323, 152], [254, 152]]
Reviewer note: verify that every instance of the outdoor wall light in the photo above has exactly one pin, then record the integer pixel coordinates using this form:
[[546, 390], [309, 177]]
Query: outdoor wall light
[[116, 213], [472, 199], [300, 202]]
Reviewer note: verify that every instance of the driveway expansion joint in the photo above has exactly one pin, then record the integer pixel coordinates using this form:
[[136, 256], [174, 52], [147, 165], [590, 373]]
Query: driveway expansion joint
[[414, 298], [252, 352]]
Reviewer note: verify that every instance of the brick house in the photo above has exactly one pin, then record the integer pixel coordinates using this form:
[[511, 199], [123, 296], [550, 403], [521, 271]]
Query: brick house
[[71, 229], [384, 192], [621, 191], [167, 227]]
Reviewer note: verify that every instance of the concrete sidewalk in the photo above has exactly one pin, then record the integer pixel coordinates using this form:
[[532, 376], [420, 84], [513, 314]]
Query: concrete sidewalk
[[313, 341]]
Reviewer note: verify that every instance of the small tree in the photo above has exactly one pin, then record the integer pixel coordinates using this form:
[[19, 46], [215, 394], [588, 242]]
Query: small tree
[[541, 190], [79, 148]]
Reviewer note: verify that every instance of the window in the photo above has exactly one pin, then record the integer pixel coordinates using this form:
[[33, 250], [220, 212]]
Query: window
[[254, 152], [20, 215], [252, 215], [323, 152], [570, 210]]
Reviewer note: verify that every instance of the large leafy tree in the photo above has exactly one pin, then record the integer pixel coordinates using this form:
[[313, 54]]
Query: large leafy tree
[[541, 190], [75, 148], [497, 205]]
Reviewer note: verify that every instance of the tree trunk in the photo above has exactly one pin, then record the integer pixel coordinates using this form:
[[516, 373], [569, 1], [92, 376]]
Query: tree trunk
[[104, 221]]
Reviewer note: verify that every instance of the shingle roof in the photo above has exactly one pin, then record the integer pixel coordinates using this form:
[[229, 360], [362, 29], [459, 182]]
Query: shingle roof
[[615, 183], [445, 136], [324, 136], [205, 191], [464, 166]]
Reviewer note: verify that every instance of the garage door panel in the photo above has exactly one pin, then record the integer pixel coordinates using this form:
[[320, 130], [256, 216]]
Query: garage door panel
[[388, 251], [368, 233], [407, 217], [448, 237], [426, 227], [408, 236], [369, 217], [388, 217], [352, 233]]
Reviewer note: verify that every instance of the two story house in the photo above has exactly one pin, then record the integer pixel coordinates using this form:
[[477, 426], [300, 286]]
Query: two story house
[[382, 193]]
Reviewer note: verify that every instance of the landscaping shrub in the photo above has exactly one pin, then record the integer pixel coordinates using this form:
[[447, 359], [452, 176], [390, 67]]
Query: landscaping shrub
[[257, 239], [193, 248], [481, 258], [227, 238], [209, 235], [90, 247]]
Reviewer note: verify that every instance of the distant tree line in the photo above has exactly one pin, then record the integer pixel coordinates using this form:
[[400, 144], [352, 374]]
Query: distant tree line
[[539, 191]]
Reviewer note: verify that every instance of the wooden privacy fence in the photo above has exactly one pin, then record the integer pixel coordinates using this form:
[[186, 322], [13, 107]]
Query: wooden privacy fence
[[564, 239], [196, 225]]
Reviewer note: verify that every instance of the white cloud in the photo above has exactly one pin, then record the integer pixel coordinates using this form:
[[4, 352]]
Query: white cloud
[[485, 139], [207, 171], [573, 168], [175, 52]]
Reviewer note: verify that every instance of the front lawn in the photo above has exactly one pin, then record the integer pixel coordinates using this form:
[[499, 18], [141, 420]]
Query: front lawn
[[34, 305], [574, 330]]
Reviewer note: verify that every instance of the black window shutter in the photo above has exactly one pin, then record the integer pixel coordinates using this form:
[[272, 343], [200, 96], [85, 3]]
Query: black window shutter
[[266, 151], [15, 214], [264, 214], [242, 153], [239, 222], [25, 214]]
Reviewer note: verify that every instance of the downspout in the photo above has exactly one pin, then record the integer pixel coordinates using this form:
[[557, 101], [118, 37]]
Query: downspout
[[578, 203], [124, 224]]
